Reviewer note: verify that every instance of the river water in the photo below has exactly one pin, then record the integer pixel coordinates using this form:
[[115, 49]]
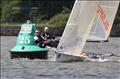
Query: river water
[[47, 69]]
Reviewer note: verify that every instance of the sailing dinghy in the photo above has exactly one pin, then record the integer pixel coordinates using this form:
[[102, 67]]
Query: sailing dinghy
[[88, 20]]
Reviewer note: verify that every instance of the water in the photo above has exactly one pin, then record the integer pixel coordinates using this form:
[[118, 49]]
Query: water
[[46, 69]]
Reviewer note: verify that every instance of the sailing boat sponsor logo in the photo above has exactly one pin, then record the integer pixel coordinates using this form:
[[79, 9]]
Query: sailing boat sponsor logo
[[102, 15]]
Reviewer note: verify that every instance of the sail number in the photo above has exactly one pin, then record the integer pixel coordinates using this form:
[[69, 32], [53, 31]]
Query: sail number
[[24, 40]]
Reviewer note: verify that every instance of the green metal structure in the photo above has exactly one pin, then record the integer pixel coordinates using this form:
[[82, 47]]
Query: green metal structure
[[25, 46]]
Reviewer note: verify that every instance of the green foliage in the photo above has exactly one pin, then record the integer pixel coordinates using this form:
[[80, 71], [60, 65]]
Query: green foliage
[[9, 14], [51, 13], [18, 11], [59, 19]]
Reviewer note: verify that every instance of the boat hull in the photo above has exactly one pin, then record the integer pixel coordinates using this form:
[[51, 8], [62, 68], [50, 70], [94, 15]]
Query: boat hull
[[31, 52], [68, 58]]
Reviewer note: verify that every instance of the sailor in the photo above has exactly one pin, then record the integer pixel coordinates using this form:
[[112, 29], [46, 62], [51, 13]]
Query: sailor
[[37, 37], [47, 37]]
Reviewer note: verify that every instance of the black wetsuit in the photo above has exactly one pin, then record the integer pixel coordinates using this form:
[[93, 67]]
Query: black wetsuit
[[48, 38], [40, 39]]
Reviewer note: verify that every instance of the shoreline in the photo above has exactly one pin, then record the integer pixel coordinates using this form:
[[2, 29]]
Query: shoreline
[[14, 30]]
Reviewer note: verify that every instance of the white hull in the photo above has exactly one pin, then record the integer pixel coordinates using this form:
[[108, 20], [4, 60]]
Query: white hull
[[68, 58]]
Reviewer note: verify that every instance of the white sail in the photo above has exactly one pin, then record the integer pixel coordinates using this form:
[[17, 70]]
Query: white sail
[[77, 28], [105, 14], [88, 20]]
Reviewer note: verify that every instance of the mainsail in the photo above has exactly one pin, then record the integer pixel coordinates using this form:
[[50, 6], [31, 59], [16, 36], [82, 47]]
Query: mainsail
[[105, 14], [84, 16], [78, 27]]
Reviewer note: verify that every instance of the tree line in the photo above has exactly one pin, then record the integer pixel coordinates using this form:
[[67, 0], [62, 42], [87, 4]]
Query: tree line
[[49, 12]]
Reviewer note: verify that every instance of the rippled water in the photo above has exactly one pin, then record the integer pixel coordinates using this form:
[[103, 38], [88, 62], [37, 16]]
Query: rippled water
[[46, 69]]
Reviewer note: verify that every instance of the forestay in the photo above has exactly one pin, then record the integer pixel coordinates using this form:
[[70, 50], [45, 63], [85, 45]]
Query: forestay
[[105, 15]]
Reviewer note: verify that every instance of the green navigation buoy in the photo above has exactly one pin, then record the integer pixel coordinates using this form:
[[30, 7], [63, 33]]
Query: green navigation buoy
[[25, 46]]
